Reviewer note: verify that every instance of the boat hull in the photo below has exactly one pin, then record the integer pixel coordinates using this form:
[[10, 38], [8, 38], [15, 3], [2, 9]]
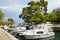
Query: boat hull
[[38, 36]]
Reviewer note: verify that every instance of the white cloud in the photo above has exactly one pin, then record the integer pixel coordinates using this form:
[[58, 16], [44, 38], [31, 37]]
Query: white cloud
[[3, 7], [6, 7], [14, 7]]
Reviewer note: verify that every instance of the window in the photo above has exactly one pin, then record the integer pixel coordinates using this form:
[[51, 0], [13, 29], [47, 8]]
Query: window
[[39, 32]]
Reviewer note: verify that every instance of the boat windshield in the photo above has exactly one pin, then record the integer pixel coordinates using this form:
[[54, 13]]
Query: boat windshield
[[39, 32]]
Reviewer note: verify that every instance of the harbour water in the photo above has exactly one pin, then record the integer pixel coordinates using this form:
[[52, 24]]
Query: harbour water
[[56, 37]]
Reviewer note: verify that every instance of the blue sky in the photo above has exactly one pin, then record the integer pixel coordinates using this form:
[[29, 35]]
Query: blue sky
[[12, 8]]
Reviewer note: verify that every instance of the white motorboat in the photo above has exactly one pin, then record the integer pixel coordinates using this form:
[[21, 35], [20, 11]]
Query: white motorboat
[[39, 34], [20, 30], [40, 31]]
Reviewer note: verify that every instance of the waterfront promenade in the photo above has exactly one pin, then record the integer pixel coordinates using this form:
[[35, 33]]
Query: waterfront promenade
[[5, 35], [56, 27]]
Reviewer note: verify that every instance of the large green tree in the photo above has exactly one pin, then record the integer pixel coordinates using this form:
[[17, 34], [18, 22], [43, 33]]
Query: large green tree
[[33, 13], [37, 12]]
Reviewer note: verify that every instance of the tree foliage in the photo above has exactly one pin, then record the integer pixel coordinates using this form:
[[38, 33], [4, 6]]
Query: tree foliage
[[1, 17], [10, 21], [2, 21], [43, 5], [31, 13], [37, 12], [56, 11]]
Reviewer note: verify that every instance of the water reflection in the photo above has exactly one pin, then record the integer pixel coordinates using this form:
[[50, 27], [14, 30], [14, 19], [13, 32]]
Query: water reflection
[[49, 38]]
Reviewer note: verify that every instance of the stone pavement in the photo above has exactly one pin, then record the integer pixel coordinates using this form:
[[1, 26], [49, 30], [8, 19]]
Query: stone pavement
[[6, 36]]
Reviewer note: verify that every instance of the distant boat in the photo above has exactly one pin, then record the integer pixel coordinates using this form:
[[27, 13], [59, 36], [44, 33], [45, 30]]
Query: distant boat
[[40, 31]]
